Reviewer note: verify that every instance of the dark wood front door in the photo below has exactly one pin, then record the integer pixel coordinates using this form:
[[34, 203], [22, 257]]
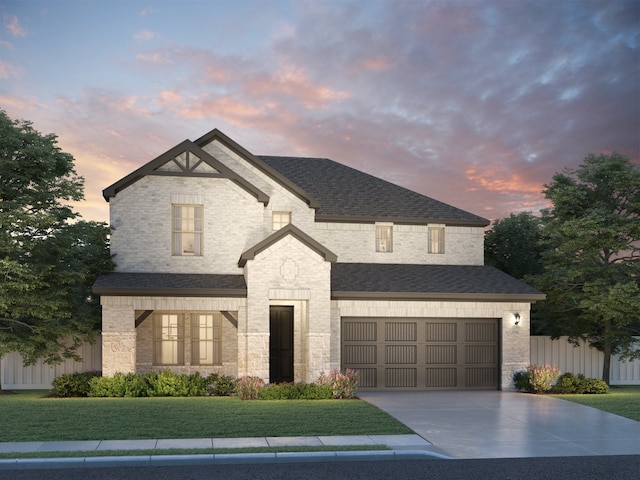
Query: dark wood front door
[[281, 344]]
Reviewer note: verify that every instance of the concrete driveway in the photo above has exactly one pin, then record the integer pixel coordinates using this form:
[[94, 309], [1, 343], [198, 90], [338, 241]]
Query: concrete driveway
[[497, 424]]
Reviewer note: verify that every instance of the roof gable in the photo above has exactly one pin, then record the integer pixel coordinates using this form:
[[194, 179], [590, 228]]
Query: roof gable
[[280, 234], [217, 135], [185, 159]]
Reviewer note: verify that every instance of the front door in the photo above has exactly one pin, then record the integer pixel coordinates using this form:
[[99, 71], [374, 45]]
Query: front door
[[281, 344]]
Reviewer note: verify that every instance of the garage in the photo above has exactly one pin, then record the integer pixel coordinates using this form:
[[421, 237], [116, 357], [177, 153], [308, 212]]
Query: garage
[[422, 353]]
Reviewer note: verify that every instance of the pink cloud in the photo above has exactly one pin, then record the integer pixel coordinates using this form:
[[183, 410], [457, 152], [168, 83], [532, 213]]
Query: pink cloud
[[145, 35], [13, 25]]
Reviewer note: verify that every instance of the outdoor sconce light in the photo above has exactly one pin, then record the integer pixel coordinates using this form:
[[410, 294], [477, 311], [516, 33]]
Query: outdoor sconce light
[[516, 316]]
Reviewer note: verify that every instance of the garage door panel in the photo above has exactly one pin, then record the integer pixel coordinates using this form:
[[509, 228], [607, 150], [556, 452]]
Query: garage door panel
[[401, 378], [422, 353], [401, 354], [441, 377], [441, 354]]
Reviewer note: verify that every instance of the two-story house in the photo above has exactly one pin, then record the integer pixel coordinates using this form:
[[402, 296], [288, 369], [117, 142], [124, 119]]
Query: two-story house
[[283, 267]]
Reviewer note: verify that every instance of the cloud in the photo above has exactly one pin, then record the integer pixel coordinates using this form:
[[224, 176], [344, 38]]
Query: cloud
[[7, 70], [145, 36], [13, 25]]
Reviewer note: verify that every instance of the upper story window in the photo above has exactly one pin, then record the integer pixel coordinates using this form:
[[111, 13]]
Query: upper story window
[[436, 239], [384, 238], [187, 230], [281, 219]]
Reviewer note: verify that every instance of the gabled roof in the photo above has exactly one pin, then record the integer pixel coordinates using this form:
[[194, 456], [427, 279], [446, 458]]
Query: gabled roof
[[280, 234], [427, 282], [185, 159], [170, 284], [349, 195], [238, 149]]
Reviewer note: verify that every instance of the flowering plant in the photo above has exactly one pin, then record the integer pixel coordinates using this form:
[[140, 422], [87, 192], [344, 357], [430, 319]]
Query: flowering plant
[[248, 388], [343, 385]]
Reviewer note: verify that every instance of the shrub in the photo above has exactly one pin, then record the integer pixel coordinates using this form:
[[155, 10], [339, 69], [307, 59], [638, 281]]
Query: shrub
[[74, 384], [169, 384], [593, 386], [248, 388], [297, 391], [343, 385], [121, 385], [567, 383], [542, 378], [521, 381], [220, 385]]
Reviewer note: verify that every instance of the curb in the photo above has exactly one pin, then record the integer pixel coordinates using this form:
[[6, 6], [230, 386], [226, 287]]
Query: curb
[[219, 459]]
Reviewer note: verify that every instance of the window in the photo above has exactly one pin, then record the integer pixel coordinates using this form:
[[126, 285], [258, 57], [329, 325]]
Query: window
[[280, 219], [168, 340], [206, 338], [199, 339], [436, 239], [187, 230], [384, 238]]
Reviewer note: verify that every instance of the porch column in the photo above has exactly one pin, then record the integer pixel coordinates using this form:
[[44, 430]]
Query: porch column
[[118, 339]]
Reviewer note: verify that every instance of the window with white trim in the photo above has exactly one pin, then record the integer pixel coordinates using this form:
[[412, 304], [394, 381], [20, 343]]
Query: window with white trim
[[280, 219], [384, 238], [186, 230], [436, 239]]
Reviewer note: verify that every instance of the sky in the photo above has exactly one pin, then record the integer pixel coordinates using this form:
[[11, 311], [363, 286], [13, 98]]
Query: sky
[[474, 103]]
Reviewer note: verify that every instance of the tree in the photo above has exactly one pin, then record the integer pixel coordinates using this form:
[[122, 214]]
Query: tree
[[591, 258], [513, 245], [49, 258]]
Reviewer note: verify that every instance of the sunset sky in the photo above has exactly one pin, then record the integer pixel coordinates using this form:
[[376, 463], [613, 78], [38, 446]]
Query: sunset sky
[[474, 103]]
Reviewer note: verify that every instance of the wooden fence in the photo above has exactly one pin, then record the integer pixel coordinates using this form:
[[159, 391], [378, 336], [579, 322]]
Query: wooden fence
[[15, 376], [561, 353], [582, 359]]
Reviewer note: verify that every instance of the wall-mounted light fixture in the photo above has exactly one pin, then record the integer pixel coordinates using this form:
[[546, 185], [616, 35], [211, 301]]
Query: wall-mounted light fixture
[[516, 317]]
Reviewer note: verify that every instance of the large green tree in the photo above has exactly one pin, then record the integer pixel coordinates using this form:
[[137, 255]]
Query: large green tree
[[49, 257], [512, 244], [591, 239]]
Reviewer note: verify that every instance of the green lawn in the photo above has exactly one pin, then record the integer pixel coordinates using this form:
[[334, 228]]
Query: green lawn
[[30, 416], [621, 400]]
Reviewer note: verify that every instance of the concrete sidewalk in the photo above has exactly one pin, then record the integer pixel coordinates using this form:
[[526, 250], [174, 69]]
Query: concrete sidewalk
[[402, 446]]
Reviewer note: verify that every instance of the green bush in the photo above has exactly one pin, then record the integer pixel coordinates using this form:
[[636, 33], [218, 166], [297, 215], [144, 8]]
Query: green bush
[[593, 386], [570, 384], [521, 381], [295, 391], [74, 384], [169, 384], [220, 385], [121, 385], [163, 384]]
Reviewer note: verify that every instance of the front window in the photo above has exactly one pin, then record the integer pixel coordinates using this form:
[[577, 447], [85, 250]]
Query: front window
[[436, 239], [196, 337], [168, 344], [206, 338], [384, 238], [281, 219], [187, 230]]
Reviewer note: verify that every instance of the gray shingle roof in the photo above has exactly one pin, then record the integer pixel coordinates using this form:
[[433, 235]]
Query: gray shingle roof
[[346, 194], [173, 284], [369, 280]]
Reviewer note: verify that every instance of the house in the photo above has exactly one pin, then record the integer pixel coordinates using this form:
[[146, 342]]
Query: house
[[284, 267]]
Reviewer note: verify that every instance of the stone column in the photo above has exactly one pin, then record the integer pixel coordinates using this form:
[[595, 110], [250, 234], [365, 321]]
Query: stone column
[[118, 340]]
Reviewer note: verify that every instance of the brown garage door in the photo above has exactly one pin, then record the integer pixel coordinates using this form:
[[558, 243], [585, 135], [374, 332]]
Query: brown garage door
[[421, 353]]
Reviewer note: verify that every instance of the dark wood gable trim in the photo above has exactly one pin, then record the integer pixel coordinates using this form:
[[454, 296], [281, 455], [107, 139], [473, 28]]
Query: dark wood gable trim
[[216, 134], [284, 231], [188, 147]]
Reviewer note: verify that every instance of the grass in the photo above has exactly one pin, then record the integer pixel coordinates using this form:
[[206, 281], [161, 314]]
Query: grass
[[621, 400], [28, 415]]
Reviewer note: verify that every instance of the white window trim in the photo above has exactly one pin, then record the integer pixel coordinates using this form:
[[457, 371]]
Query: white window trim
[[384, 245], [177, 232], [439, 243]]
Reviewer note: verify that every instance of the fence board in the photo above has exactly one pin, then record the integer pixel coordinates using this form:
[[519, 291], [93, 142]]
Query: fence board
[[15, 376], [582, 359]]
